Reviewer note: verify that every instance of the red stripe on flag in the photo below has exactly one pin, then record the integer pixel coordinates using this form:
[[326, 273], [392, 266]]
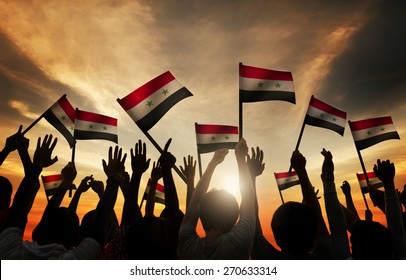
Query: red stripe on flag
[[96, 118], [159, 187], [51, 178], [361, 177], [216, 129], [327, 108], [365, 124], [266, 74], [282, 175], [67, 107], [146, 90]]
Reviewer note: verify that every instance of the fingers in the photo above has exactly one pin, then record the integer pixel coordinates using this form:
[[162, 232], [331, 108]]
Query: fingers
[[167, 145]]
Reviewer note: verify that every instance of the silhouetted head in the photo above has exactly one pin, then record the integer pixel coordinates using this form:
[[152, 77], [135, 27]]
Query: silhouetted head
[[294, 227], [57, 225], [148, 238], [218, 210], [86, 226], [6, 189], [371, 241]]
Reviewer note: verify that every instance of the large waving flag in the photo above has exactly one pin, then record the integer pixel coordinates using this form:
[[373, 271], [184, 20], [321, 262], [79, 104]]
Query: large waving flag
[[62, 116], [369, 132], [159, 193], [286, 180], [373, 181], [321, 114], [259, 84], [149, 103], [212, 137], [90, 125], [51, 183]]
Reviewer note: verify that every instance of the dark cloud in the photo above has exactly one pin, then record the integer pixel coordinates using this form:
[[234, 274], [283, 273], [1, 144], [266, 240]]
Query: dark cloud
[[371, 74], [22, 80]]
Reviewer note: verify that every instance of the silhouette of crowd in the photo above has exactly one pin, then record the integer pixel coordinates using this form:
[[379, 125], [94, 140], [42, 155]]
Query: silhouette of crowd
[[232, 230]]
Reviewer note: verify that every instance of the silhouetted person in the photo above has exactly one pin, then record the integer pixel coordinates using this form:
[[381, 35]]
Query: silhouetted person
[[227, 237]]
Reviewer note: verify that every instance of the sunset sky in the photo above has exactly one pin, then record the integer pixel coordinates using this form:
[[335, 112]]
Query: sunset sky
[[350, 54]]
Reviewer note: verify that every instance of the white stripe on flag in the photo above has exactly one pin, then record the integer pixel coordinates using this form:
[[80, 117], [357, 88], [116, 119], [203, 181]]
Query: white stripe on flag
[[95, 127], [143, 108], [372, 131], [216, 138], [265, 85], [323, 115]]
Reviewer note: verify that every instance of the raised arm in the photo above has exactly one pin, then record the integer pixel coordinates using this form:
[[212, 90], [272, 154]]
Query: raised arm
[[385, 171], [139, 164], [298, 162], [192, 214], [256, 167], [68, 174], [156, 174], [189, 172], [346, 188], [29, 186], [83, 187], [12, 143], [335, 214]]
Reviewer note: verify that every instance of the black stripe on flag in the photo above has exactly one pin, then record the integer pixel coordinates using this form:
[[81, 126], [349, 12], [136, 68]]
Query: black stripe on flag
[[89, 135], [149, 120], [322, 123], [55, 122], [368, 142], [258, 95]]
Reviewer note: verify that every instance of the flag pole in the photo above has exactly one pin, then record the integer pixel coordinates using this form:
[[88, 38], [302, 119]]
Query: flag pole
[[199, 159], [240, 120], [364, 170], [73, 162], [152, 140], [280, 193], [298, 142]]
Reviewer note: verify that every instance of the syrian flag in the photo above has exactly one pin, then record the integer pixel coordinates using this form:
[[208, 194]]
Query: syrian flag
[[369, 132], [258, 84], [159, 193], [61, 115], [51, 183], [150, 102], [212, 137], [286, 180], [323, 115], [373, 181], [95, 126]]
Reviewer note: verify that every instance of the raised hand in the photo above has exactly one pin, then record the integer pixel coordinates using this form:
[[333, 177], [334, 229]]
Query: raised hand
[[15, 140], [43, 152], [85, 184], [385, 171], [115, 165], [68, 174], [346, 188], [298, 161], [97, 187], [190, 169], [167, 160], [139, 161], [327, 171], [255, 162], [368, 215], [219, 156], [156, 172], [241, 149]]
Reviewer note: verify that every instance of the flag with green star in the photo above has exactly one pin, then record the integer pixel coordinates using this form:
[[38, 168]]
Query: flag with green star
[[369, 132], [211, 137], [374, 182], [286, 180], [61, 115], [159, 192], [149, 103], [259, 84], [89, 125], [51, 183], [323, 115]]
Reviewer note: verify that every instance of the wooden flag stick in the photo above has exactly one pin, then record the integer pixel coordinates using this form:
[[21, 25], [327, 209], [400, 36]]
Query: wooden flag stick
[[152, 140], [73, 162], [240, 113], [34, 123], [280, 193], [199, 159], [298, 142]]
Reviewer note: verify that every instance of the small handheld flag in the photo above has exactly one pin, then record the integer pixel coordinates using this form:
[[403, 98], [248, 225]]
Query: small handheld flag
[[95, 126]]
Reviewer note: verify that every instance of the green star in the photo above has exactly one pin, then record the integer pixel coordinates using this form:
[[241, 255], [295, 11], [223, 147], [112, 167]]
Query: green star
[[91, 126], [260, 84], [322, 115], [213, 138], [55, 184], [104, 128], [165, 91], [334, 119], [382, 129], [369, 132], [72, 128], [278, 85], [63, 118], [149, 104], [227, 137]]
